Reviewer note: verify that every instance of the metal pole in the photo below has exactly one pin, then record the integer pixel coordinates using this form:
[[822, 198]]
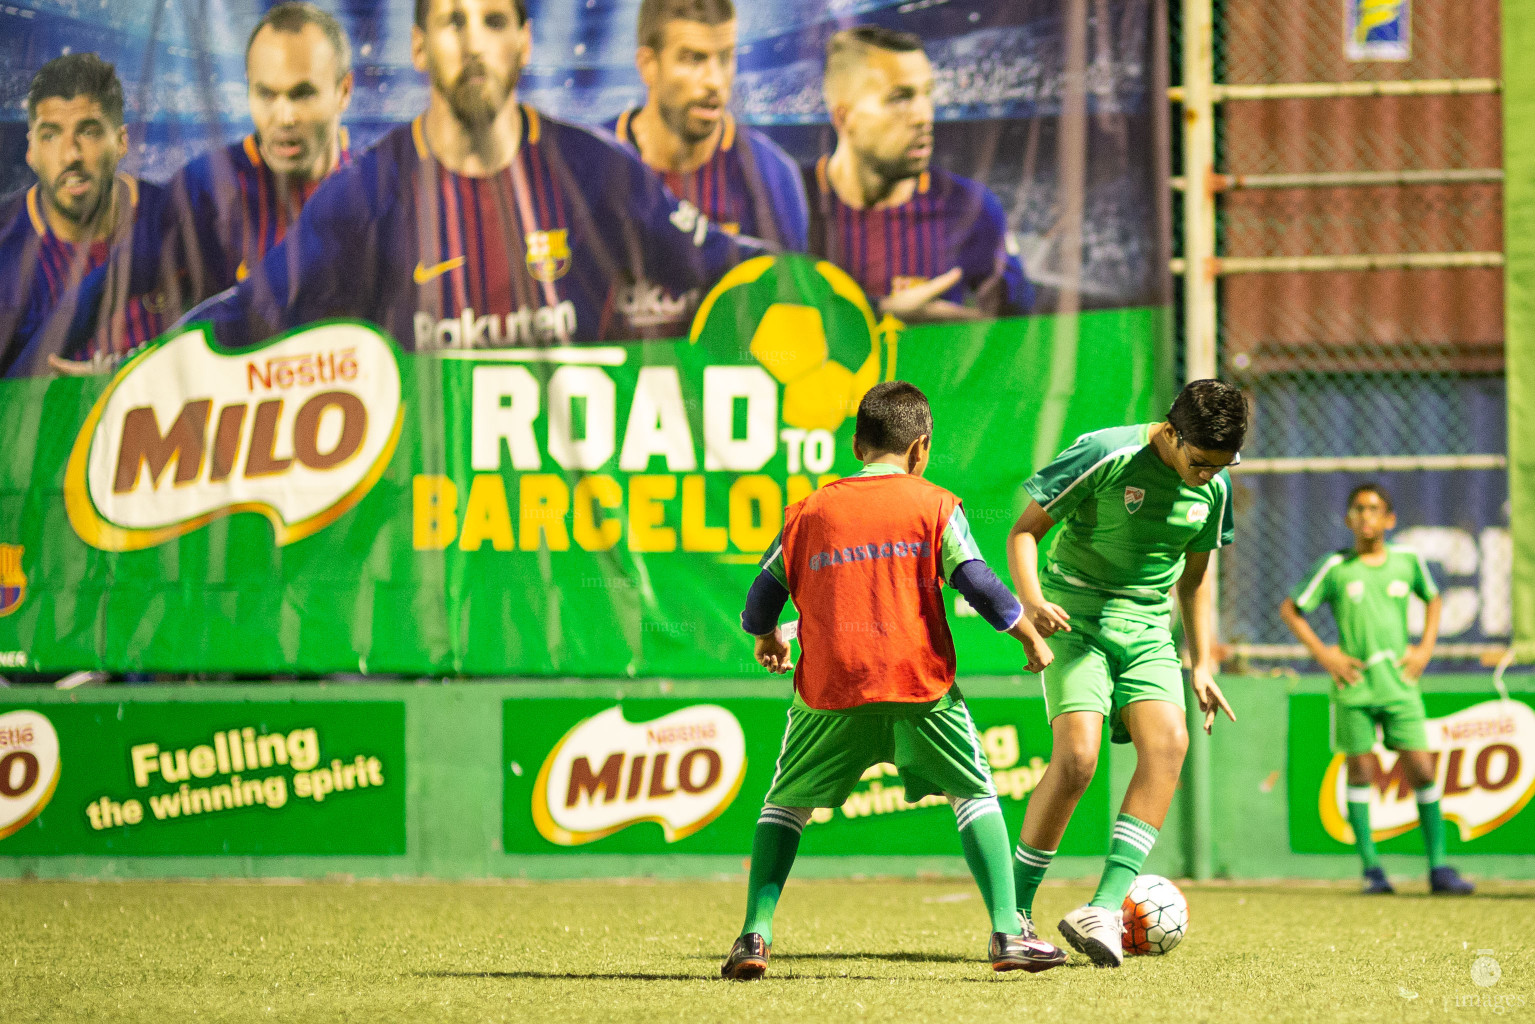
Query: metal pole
[[1199, 311], [1351, 179], [1340, 90]]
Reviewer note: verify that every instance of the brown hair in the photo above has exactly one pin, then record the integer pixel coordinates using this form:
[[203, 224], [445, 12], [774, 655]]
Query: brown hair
[[292, 16], [655, 15]]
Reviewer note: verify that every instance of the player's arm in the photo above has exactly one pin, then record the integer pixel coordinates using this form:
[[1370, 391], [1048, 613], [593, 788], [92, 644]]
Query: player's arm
[[1418, 655], [764, 604], [1344, 669], [680, 248], [993, 274], [1196, 600], [786, 194], [1054, 492], [1307, 597], [924, 303], [1023, 565], [1421, 653], [968, 573]]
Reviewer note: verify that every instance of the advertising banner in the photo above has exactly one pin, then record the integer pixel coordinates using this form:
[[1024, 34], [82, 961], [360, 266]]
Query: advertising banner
[[651, 776], [194, 779], [327, 504], [1483, 750], [506, 360]]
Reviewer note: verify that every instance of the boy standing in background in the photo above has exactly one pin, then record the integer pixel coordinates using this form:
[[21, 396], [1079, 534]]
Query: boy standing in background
[[1376, 672]]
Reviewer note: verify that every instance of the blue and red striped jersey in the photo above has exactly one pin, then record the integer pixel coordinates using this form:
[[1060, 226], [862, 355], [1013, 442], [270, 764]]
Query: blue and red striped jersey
[[948, 222], [575, 241], [238, 209], [40, 274], [747, 186]]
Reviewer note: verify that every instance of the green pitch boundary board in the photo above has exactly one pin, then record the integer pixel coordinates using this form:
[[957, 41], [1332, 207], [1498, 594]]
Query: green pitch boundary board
[[559, 780]]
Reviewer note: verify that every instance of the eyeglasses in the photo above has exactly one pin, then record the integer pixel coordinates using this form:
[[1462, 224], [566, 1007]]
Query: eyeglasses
[[1206, 467]]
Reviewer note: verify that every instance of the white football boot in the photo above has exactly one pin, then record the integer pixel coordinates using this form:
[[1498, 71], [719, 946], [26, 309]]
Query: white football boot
[[1096, 933]]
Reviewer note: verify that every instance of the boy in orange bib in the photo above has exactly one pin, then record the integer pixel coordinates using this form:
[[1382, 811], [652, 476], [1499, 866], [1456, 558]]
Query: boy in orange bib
[[864, 559]]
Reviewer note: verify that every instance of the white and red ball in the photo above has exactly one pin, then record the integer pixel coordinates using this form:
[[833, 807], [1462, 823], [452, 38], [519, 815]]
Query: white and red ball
[[1155, 915]]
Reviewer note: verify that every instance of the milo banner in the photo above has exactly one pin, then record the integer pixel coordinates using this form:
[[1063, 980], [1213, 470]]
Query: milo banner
[[340, 338], [203, 779], [1483, 751], [653, 776]]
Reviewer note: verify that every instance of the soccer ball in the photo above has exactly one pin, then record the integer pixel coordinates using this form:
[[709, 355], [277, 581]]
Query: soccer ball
[[804, 321], [1156, 916]]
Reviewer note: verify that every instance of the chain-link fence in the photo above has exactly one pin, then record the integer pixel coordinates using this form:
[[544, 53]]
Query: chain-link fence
[[1359, 236]]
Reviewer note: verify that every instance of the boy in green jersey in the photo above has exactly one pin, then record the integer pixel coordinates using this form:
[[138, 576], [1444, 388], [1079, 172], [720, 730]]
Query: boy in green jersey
[[1376, 672], [1141, 508]]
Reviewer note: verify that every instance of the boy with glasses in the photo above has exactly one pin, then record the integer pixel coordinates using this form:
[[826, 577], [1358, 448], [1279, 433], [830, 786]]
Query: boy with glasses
[[1141, 508]]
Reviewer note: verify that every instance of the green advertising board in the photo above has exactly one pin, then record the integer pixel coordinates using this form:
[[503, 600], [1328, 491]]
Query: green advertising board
[[325, 503], [1483, 750], [202, 778], [668, 775]]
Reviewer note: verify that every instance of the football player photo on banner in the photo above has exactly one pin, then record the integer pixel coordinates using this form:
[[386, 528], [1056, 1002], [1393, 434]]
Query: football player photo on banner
[[494, 336]]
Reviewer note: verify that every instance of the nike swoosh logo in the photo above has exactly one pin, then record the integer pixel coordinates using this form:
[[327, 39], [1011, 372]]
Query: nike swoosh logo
[[425, 274]]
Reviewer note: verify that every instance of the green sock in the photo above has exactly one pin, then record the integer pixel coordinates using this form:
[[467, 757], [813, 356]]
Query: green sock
[[1359, 821], [983, 835], [773, 850], [1132, 840], [1432, 820], [1029, 867]]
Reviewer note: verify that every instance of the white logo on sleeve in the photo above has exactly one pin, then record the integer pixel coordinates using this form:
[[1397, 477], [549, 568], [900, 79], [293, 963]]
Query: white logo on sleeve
[[1198, 512], [1397, 588]]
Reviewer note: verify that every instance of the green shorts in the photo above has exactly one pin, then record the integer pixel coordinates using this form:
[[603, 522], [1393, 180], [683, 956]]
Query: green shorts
[[1402, 724], [1116, 654], [825, 753]]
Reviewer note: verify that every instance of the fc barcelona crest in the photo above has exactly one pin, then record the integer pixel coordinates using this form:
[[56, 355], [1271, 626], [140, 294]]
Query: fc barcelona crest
[[13, 582], [548, 254], [1134, 497]]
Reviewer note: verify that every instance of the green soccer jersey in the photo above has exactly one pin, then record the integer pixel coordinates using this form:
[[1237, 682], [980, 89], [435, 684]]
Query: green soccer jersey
[[1127, 518], [1369, 603]]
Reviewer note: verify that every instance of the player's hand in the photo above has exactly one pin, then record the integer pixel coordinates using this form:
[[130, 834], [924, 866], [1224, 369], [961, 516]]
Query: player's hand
[[1415, 661], [1039, 654], [1345, 671], [1048, 619], [74, 367], [1209, 696], [921, 303], [772, 653]]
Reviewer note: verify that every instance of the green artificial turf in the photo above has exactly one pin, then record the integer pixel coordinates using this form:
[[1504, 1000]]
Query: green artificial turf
[[844, 951]]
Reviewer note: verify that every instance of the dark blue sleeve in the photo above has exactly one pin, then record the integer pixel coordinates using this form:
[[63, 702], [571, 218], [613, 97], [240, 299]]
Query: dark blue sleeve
[[786, 192], [82, 325], [764, 603], [197, 196], [988, 595], [988, 265], [680, 248], [23, 325], [326, 266]]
